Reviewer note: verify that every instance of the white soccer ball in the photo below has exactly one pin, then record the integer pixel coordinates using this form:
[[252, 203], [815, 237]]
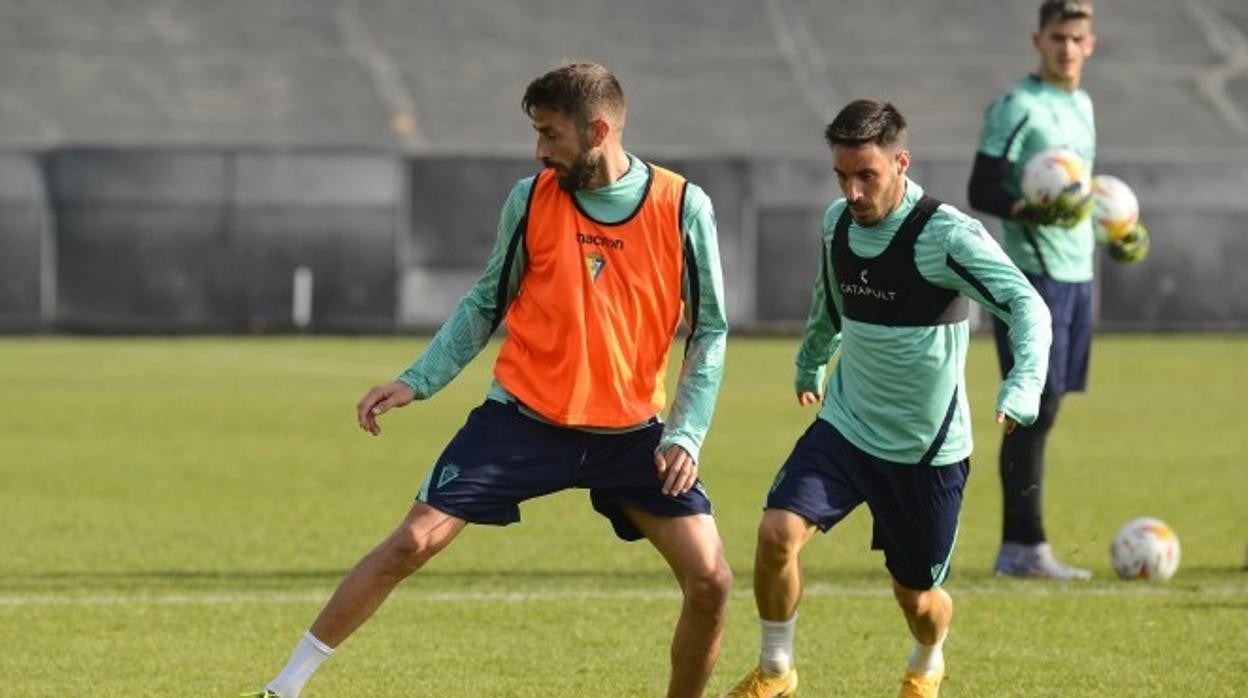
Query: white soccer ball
[[1145, 548], [1115, 208], [1054, 173]]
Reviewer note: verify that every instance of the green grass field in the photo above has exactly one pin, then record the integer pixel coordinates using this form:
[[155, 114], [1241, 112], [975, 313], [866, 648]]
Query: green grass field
[[174, 512]]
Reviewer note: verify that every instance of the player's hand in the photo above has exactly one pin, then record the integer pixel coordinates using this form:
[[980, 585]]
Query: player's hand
[[1008, 424], [677, 469], [1131, 247], [807, 398], [380, 400], [1032, 214], [1072, 211], [1064, 211]]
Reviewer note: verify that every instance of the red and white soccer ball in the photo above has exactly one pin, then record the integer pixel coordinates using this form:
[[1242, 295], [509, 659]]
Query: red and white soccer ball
[[1055, 173], [1115, 208], [1145, 548]]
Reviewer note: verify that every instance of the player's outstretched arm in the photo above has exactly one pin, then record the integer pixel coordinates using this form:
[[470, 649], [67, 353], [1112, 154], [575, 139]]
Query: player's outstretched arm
[[975, 265], [480, 311], [378, 401]]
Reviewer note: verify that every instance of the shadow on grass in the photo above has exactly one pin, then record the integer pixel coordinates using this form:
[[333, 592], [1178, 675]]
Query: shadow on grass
[[286, 580], [478, 579], [1213, 605]]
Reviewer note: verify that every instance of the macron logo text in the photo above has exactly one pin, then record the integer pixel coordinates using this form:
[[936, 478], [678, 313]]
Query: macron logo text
[[600, 241]]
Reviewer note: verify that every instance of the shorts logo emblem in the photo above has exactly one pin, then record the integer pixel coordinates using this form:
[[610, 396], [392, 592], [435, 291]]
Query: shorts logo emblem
[[450, 471]]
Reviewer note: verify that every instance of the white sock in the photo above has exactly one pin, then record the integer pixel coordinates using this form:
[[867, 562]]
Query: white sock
[[927, 659], [776, 657], [308, 655]]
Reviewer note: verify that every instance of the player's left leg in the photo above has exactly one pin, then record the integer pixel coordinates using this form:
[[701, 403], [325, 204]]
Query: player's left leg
[[915, 511], [692, 548], [1025, 551], [928, 613]]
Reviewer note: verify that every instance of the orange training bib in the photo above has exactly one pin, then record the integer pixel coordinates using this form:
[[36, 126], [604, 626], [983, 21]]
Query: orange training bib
[[598, 307]]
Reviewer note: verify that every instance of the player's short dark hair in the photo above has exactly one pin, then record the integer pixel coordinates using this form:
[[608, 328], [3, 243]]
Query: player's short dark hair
[[866, 121], [1062, 10], [579, 90]]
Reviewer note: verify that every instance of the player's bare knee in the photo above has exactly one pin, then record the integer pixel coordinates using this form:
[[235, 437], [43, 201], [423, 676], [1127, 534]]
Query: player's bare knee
[[912, 601], [708, 589], [777, 543], [407, 551]]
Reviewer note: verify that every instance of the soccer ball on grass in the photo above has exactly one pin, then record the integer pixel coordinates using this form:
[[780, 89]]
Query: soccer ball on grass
[[1145, 548]]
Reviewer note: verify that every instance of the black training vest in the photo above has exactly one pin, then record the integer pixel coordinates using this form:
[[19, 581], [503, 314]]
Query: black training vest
[[888, 289]]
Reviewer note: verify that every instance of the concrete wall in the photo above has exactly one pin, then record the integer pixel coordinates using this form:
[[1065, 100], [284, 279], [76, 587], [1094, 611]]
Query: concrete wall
[[209, 241], [26, 244], [338, 216], [203, 241]]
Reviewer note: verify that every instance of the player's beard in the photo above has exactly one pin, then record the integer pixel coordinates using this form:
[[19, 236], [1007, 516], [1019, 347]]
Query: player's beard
[[581, 172], [879, 209]]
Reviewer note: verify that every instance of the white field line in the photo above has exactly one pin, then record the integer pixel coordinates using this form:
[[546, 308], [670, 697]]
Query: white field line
[[223, 598]]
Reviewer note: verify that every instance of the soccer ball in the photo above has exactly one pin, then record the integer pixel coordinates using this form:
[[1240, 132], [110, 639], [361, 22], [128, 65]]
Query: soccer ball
[[1145, 548], [1115, 209], [1054, 173]]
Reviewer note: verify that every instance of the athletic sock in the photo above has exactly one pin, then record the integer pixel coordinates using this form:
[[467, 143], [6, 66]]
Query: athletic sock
[[308, 655], [927, 659], [776, 657]]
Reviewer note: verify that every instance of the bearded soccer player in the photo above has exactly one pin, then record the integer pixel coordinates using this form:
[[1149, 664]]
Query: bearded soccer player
[[1054, 246], [894, 430], [599, 256]]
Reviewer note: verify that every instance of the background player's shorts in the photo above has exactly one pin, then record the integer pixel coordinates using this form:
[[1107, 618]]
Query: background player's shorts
[[915, 507], [1071, 307], [501, 457]]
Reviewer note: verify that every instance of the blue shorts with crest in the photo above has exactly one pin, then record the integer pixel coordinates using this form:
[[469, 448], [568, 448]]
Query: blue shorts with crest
[[501, 457], [914, 507]]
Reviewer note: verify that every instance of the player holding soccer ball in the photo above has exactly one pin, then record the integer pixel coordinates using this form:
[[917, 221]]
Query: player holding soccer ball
[[1054, 245], [894, 430], [598, 256]]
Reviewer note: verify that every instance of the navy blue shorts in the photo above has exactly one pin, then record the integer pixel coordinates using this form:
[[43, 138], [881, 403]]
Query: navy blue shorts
[[501, 457], [1071, 307], [915, 508]]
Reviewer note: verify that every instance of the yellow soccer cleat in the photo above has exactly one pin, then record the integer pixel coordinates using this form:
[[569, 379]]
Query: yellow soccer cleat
[[915, 685], [758, 685]]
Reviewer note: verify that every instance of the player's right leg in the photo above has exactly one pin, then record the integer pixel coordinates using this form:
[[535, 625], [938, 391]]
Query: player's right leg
[[777, 593], [809, 492], [778, 574]]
